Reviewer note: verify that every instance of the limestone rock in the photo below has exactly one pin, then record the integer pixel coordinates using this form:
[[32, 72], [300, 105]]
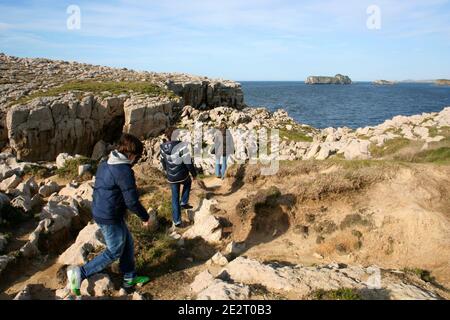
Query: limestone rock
[[10, 183], [206, 225], [221, 290], [48, 189], [357, 150], [99, 285], [218, 259], [87, 241], [338, 79]]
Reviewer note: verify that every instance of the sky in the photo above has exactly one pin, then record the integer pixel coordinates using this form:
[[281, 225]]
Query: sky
[[280, 40]]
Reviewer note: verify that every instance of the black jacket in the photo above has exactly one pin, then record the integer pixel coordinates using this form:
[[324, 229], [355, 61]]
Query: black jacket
[[176, 161]]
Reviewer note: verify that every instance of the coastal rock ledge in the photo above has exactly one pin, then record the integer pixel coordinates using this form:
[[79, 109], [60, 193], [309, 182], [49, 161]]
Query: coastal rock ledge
[[337, 79]]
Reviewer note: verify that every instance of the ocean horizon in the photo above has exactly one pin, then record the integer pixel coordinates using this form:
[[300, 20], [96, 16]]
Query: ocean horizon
[[357, 105]]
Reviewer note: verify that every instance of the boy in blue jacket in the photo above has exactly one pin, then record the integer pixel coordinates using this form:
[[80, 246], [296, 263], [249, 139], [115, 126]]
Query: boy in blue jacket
[[115, 191]]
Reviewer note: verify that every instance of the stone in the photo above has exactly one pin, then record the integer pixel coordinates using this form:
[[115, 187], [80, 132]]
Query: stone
[[221, 290], [357, 150], [98, 285], [137, 296], [235, 248], [10, 183], [218, 259], [89, 239], [202, 281], [61, 160], [100, 150], [61, 212], [23, 203], [85, 168], [62, 294], [48, 189], [206, 225]]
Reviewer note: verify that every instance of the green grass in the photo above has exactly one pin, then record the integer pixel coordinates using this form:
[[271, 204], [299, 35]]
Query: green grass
[[340, 294], [70, 169], [37, 171], [295, 135], [443, 131], [438, 156], [390, 147], [153, 249], [95, 87]]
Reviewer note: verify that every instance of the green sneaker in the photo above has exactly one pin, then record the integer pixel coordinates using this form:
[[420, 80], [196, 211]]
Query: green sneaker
[[74, 280], [131, 283]]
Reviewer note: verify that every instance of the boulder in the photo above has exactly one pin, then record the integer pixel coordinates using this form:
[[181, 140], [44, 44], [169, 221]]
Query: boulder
[[61, 212], [23, 203], [61, 160], [100, 150], [10, 183], [147, 117], [357, 150], [218, 259], [89, 239], [99, 285], [206, 225], [235, 248], [221, 290], [49, 188]]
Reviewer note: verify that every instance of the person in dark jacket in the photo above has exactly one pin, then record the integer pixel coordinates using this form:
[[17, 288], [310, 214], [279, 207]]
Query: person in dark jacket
[[177, 163], [223, 148], [115, 191]]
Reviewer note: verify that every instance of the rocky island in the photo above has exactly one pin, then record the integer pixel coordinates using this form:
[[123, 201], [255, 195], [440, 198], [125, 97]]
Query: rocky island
[[337, 79], [327, 225], [443, 82], [384, 82]]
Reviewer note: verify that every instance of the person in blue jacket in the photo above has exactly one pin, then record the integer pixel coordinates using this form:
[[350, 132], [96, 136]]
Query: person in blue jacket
[[177, 163], [115, 191]]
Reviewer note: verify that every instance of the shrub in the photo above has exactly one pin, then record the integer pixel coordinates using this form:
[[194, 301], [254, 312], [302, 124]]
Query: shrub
[[340, 294], [70, 169]]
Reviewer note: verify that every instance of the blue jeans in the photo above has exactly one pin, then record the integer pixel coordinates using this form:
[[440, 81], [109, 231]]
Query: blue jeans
[[221, 167], [176, 206], [119, 246]]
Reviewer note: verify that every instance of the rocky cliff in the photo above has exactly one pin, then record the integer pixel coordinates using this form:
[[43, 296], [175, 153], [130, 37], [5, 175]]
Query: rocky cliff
[[68, 106], [337, 79]]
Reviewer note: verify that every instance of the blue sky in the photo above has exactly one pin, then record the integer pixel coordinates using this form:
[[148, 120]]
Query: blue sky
[[238, 39]]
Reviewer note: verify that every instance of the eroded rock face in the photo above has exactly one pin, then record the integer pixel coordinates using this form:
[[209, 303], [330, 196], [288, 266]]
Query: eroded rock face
[[21, 77], [46, 127]]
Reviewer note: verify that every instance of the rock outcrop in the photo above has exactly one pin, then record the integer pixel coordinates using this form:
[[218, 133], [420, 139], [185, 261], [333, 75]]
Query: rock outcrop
[[384, 82], [21, 77], [302, 282], [337, 79]]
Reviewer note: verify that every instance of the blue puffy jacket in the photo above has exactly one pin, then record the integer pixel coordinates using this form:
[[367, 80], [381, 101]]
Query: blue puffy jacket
[[176, 161], [115, 191]]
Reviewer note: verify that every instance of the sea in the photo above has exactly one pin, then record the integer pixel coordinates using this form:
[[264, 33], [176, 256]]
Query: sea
[[357, 105]]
